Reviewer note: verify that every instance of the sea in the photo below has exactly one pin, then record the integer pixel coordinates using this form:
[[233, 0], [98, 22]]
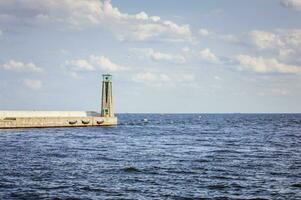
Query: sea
[[157, 156]]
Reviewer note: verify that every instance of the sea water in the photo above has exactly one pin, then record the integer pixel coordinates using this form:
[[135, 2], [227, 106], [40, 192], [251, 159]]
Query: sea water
[[157, 156]]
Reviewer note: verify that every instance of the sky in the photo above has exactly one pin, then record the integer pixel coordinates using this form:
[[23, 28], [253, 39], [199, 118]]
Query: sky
[[193, 56]]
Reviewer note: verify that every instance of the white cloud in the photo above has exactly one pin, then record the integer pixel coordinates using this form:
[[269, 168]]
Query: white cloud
[[80, 65], [292, 37], [159, 79], [13, 65], [208, 56], [153, 31], [265, 40], [150, 77], [285, 54], [105, 63], [76, 14], [284, 44], [262, 65], [93, 13], [93, 63], [186, 49], [74, 74], [275, 41], [280, 38], [294, 4], [204, 32], [159, 56], [33, 84], [214, 35], [217, 78]]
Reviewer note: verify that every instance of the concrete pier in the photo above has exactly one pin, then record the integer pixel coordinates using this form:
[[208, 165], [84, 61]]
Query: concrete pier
[[48, 119]]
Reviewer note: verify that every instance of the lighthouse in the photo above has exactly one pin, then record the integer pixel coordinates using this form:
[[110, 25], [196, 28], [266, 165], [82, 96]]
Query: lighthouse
[[107, 96], [48, 119]]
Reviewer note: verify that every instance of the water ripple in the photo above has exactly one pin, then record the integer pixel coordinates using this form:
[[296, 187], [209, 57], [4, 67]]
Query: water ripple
[[151, 156]]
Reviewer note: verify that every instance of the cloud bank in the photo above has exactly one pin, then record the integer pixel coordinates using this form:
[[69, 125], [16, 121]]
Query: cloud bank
[[13, 65], [93, 63], [294, 4], [81, 14], [161, 56], [263, 65]]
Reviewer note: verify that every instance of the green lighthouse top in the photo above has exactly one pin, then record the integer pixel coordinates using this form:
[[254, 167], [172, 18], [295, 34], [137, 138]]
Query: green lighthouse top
[[107, 77]]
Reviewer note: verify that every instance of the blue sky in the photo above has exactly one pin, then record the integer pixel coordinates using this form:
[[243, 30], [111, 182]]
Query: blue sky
[[165, 56]]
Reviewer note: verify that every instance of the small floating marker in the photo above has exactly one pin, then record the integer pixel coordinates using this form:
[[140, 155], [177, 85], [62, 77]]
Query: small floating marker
[[145, 120]]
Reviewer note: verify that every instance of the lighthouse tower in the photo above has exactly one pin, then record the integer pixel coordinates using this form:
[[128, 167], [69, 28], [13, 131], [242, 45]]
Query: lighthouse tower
[[53, 119], [107, 97]]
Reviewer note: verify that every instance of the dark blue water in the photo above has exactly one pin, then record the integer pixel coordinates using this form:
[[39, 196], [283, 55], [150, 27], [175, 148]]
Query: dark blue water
[[231, 156]]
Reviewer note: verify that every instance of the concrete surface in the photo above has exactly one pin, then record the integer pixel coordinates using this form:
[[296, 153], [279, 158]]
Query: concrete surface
[[4, 114], [47, 122]]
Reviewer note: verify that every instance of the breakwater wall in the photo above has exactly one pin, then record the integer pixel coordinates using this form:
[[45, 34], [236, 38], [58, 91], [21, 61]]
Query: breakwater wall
[[48, 122]]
